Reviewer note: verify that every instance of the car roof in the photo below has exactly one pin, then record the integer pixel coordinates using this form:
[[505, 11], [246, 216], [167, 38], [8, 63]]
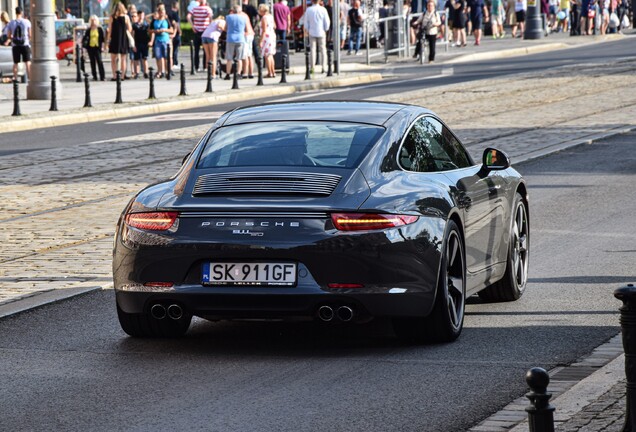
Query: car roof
[[376, 113]]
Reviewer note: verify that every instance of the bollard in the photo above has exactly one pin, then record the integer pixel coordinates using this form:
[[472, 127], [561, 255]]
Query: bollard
[[78, 67], [329, 61], [259, 64], [183, 92], [540, 412], [16, 99], [208, 89], [87, 93], [53, 94], [307, 66], [118, 94], [627, 295], [151, 80], [235, 85], [283, 72], [336, 69], [192, 58]]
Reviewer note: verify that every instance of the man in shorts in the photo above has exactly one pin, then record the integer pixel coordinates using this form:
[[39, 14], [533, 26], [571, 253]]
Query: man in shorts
[[235, 25], [19, 34], [521, 6]]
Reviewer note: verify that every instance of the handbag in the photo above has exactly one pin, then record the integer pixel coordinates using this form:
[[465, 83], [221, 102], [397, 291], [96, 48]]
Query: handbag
[[131, 40]]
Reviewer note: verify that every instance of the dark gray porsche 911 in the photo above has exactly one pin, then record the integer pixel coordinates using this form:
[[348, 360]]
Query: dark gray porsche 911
[[334, 211]]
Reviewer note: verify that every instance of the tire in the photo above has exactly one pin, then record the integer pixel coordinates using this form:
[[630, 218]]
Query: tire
[[145, 326], [446, 320], [513, 283]]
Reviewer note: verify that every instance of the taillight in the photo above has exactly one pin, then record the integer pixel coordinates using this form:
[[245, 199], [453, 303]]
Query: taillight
[[369, 221], [154, 221]]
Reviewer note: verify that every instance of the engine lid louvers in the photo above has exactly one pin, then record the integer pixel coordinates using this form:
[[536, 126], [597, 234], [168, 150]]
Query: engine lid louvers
[[266, 183]]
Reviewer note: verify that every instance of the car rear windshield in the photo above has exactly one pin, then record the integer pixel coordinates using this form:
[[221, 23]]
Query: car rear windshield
[[325, 144]]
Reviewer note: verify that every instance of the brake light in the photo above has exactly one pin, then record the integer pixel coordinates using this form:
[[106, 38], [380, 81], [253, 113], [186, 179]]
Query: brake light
[[369, 221], [154, 221]]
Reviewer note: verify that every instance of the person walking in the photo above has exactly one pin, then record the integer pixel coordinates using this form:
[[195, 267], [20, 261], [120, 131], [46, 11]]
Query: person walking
[[316, 23], [199, 18], [429, 24], [210, 39], [118, 29], [173, 17], [355, 21], [521, 6], [247, 58], [93, 43], [478, 13], [19, 34], [459, 22], [4, 20], [282, 19], [497, 16], [235, 25], [344, 17], [268, 39], [160, 31]]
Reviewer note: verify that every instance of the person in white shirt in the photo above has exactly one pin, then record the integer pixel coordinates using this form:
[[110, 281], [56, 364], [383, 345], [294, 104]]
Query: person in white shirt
[[521, 6], [316, 23]]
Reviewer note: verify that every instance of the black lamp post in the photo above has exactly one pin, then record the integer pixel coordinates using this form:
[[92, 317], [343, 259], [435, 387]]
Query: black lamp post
[[534, 25]]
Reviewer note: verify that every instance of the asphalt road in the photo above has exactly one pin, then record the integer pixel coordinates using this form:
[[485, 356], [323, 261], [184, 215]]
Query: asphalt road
[[68, 366], [404, 77]]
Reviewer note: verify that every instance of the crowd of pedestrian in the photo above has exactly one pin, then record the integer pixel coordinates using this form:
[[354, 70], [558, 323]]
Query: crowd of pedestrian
[[131, 36]]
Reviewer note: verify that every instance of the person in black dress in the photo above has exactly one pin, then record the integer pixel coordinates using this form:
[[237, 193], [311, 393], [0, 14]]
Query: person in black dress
[[118, 40]]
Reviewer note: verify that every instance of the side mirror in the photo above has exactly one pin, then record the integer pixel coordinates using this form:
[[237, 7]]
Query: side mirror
[[185, 158], [494, 159]]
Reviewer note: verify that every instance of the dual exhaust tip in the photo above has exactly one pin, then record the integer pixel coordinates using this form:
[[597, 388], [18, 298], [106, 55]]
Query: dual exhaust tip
[[159, 312], [327, 313]]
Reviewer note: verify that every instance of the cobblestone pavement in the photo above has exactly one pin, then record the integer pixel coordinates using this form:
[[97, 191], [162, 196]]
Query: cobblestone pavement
[[58, 209], [607, 414]]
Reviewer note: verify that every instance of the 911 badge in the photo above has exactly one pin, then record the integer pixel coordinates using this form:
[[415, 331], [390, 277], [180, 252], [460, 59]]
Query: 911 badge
[[248, 232]]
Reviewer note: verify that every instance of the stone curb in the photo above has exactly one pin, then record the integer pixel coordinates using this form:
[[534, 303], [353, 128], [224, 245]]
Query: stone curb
[[44, 298], [143, 108], [535, 49]]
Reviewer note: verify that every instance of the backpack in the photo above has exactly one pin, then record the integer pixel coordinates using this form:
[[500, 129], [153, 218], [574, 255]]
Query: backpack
[[18, 34]]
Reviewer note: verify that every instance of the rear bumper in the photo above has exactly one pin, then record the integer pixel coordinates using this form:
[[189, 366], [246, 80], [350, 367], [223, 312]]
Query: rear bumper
[[204, 302]]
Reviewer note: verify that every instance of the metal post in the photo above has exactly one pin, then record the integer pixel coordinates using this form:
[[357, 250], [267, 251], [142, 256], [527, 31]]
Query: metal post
[[151, 81], [386, 39], [540, 412], [627, 295], [259, 65], [16, 99], [87, 92], [183, 92], [53, 94], [118, 94], [283, 72], [407, 36], [329, 61], [336, 67], [534, 28], [192, 58], [78, 68], [235, 85], [367, 41], [336, 32], [307, 66], [208, 88], [44, 61]]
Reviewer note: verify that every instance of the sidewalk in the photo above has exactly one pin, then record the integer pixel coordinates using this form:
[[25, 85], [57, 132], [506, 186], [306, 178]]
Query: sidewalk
[[71, 96]]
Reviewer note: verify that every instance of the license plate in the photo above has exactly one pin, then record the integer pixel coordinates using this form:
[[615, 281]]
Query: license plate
[[265, 274]]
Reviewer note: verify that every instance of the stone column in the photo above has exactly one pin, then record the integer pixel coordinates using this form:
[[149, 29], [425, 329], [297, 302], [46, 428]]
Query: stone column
[[44, 62]]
